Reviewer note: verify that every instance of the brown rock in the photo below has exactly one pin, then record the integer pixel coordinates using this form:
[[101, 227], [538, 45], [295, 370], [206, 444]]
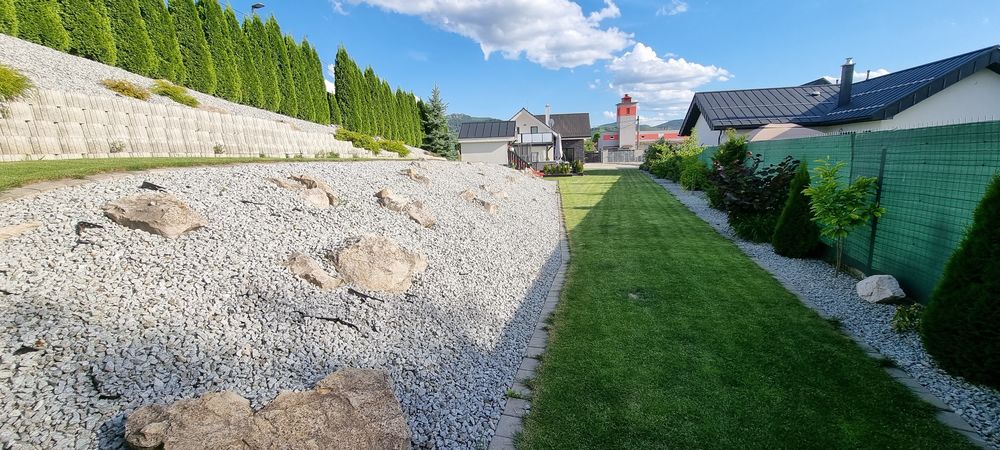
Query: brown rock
[[393, 201], [349, 409], [414, 209], [154, 212], [468, 195], [316, 197], [310, 270], [17, 230], [489, 207], [496, 192], [282, 183], [377, 263], [311, 182], [421, 214], [413, 175]]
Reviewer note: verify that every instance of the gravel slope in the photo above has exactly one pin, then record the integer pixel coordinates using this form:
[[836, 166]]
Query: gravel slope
[[833, 295], [134, 319]]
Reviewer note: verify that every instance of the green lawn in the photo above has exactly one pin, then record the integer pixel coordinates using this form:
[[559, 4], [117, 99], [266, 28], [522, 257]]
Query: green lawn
[[667, 336], [14, 174]]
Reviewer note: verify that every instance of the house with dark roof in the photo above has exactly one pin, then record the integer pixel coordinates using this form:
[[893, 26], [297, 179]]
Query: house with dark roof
[[537, 139], [960, 89]]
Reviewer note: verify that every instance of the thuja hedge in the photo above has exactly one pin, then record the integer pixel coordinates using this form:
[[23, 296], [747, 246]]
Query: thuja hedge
[[8, 17], [796, 235], [135, 49], [38, 21]]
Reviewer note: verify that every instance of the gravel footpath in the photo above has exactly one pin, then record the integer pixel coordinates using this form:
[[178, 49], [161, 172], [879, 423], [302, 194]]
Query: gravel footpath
[[52, 69], [832, 295], [133, 318]]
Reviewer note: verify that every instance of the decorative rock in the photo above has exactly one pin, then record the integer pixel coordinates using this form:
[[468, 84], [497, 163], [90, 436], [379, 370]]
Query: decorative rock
[[351, 408], [316, 197], [392, 201], [311, 182], [421, 215], [282, 183], [468, 195], [310, 270], [496, 192], [16, 230], [489, 207], [880, 289], [413, 175], [414, 209], [155, 212], [377, 263]]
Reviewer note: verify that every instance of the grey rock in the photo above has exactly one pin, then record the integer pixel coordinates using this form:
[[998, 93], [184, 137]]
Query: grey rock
[[155, 212], [880, 289]]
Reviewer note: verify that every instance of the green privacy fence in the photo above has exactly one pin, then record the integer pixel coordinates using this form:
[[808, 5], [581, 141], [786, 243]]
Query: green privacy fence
[[931, 181]]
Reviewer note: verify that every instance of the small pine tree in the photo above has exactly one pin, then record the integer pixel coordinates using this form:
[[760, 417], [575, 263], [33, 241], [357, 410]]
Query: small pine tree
[[198, 64], [249, 77], [220, 44], [796, 234], [348, 87], [135, 48], [8, 17], [89, 30], [38, 21], [437, 137], [335, 117], [286, 83], [323, 114], [959, 327], [264, 60], [300, 77], [160, 25]]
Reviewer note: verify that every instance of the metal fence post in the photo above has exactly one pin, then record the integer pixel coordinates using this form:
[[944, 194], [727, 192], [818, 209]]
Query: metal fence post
[[878, 199]]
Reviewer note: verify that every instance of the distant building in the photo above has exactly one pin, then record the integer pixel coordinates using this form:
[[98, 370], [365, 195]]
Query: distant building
[[629, 136], [537, 139], [960, 89]]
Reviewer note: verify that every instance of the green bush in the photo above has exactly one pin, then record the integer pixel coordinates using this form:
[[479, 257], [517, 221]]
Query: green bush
[[753, 227], [38, 21], [908, 318], [176, 93], [8, 17], [960, 327], [360, 140], [396, 147], [134, 48], [562, 168], [577, 166], [127, 88], [714, 196], [167, 52], [12, 84], [194, 48], [839, 209], [694, 176], [796, 235], [220, 45], [250, 90], [89, 30]]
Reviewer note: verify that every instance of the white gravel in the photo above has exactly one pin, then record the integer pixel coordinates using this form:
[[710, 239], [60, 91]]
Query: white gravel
[[52, 69], [832, 295], [133, 318]]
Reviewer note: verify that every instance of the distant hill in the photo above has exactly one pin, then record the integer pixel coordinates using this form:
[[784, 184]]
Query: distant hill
[[455, 121], [668, 125]]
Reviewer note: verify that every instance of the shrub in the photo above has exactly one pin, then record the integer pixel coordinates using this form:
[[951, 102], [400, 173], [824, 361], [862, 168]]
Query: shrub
[[908, 318], [218, 149], [796, 234], [562, 168], [194, 48], [656, 151], [38, 21], [960, 325], [12, 84], [729, 158], [127, 88], [160, 26], [754, 197], [176, 93], [754, 227], [220, 45], [694, 176], [577, 166], [134, 48], [839, 209], [8, 18], [396, 147], [116, 147], [89, 30], [360, 140]]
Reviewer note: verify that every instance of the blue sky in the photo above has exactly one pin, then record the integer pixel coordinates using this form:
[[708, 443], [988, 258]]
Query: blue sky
[[580, 56]]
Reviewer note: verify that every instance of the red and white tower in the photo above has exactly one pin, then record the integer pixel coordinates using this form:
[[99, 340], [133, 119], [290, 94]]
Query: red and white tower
[[628, 123]]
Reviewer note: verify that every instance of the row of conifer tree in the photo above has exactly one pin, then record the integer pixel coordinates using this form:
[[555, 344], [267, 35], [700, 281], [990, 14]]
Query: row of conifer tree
[[203, 46]]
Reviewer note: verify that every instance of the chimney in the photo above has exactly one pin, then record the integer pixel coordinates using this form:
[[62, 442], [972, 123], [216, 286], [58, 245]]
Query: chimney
[[548, 112], [846, 82]]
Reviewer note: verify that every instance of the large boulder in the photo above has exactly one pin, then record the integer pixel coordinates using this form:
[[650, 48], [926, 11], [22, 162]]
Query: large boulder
[[349, 409], [377, 263], [155, 212], [880, 289], [310, 270]]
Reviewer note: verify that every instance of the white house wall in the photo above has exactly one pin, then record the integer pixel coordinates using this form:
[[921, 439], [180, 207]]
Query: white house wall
[[523, 120], [490, 152]]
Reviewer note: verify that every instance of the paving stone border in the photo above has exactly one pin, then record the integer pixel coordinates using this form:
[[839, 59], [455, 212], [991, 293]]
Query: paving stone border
[[511, 421]]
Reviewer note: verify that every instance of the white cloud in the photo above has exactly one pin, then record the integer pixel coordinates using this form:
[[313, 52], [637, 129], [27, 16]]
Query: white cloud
[[860, 76], [552, 33], [417, 56], [594, 84], [330, 70], [330, 87], [663, 87], [608, 115], [338, 7], [674, 8]]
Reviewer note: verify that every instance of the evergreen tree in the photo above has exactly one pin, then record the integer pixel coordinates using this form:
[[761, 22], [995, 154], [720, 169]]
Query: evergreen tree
[[286, 83], [347, 90], [373, 113], [8, 18], [960, 324], [251, 93], [163, 35], [201, 74], [89, 30], [323, 114], [437, 138], [220, 45], [796, 235], [300, 77], [134, 48], [335, 117], [264, 60], [38, 21]]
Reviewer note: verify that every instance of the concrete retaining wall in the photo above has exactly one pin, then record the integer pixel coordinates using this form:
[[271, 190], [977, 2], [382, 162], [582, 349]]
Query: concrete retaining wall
[[50, 124]]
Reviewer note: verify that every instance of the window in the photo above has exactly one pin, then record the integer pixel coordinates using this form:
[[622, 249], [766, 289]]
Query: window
[[534, 130]]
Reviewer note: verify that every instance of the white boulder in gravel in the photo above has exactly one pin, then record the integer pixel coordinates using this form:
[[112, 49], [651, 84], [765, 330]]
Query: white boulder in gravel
[[17, 230], [310, 270], [349, 409], [880, 289], [378, 263], [155, 212]]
